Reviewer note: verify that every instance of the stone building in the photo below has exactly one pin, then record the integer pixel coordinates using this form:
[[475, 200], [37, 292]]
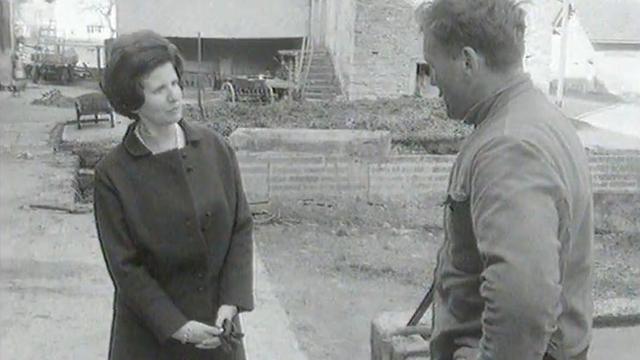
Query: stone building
[[376, 46]]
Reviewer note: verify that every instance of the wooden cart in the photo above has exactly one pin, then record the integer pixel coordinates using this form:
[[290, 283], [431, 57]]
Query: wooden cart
[[54, 66], [242, 88], [93, 105]]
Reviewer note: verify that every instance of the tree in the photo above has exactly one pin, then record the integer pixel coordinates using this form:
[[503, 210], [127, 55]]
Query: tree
[[106, 8]]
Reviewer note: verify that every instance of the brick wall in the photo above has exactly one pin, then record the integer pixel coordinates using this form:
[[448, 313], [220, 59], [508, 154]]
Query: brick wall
[[418, 182], [399, 178]]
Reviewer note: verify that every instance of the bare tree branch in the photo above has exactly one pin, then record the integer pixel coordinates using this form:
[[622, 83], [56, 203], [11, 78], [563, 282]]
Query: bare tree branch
[[104, 8]]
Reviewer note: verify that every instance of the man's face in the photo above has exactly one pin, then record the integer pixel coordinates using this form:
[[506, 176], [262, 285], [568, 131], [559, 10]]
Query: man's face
[[449, 76]]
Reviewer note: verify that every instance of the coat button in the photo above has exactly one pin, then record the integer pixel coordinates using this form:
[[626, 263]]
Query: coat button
[[200, 288], [200, 275], [207, 214], [189, 169], [184, 155]]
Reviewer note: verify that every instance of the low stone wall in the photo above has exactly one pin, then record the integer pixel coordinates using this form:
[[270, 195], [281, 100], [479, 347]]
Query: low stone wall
[[417, 181]]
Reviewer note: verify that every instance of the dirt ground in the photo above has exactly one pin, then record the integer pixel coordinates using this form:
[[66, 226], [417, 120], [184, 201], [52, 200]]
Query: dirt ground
[[374, 269]]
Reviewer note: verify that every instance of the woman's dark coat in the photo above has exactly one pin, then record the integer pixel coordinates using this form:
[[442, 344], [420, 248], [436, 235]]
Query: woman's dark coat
[[176, 232]]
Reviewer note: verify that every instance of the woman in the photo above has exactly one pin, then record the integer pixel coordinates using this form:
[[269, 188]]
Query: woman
[[172, 217]]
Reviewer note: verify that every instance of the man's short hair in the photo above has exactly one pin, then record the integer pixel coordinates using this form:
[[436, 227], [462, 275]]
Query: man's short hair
[[495, 28], [133, 56]]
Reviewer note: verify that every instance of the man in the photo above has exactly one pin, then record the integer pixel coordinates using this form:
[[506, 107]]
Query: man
[[513, 280]]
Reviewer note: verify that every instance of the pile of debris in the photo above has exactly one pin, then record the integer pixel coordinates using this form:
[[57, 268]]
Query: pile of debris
[[55, 98], [15, 87]]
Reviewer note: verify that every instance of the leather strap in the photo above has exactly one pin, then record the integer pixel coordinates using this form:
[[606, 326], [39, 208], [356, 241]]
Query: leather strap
[[423, 307]]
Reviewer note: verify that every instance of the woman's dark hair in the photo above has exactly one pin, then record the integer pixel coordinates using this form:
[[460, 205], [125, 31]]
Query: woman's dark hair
[[133, 56]]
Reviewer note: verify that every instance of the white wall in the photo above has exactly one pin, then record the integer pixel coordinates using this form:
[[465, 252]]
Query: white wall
[[72, 21], [215, 18], [538, 40], [339, 37], [619, 70], [581, 57]]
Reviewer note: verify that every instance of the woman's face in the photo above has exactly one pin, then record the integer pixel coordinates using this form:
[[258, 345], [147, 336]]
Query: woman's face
[[162, 97]]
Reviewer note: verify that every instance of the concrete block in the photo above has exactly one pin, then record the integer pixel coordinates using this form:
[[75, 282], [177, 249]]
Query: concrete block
[[392, 340], [254, 171], [356, 143]]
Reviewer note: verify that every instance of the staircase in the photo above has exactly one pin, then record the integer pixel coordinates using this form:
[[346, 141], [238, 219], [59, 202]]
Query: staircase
[[322, 83]]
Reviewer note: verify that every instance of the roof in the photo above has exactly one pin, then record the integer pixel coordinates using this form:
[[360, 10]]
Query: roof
[[610, 21]]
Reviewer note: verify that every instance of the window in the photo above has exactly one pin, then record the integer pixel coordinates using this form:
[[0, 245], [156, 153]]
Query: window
[[94, 29]]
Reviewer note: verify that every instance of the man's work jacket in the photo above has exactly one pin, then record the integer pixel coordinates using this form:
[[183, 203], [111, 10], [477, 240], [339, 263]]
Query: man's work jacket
[[514, 274]]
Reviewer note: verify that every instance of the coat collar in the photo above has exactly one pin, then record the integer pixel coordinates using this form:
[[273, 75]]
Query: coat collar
[[136, 148], [483, 108]]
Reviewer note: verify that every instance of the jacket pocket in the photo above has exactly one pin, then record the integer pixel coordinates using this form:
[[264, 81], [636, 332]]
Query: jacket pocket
[[463, 249]]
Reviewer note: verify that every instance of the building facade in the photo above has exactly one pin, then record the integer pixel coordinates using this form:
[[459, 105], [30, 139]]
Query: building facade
[[238, 37], [375, 46]]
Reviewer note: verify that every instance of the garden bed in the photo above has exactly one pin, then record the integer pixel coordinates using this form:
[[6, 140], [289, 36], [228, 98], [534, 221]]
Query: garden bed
[[417, 125]]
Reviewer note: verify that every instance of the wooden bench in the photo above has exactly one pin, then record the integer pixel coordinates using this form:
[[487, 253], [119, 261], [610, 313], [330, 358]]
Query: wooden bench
[[94, 105]]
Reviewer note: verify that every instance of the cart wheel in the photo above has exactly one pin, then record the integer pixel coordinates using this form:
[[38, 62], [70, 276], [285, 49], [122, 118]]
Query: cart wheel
[[229, 92], [270, 95], [113, 124]]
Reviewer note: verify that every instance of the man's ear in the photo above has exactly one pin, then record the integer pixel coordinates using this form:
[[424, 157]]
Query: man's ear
[[471, 60]]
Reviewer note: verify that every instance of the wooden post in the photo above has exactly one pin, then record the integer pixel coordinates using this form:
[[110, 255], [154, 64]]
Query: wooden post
[[12, 35], [563, 52], [98, 61], [198, 81]]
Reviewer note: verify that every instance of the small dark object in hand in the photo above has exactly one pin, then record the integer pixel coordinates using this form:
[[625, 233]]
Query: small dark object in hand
[[230, 336]]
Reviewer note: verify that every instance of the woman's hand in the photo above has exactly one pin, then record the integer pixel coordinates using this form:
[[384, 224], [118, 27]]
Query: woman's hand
[[195, 332], [226, 312], [466, 353]]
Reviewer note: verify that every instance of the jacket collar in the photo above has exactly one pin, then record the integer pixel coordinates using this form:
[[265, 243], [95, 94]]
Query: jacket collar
[[483, 108], [136, 148]]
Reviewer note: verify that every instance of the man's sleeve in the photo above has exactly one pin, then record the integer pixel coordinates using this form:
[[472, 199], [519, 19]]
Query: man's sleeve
[[515, 220], [236, 285], [134, 285]]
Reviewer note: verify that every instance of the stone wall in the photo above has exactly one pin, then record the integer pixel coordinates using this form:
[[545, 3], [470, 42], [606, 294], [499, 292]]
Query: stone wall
[[387, 46], [377, 55]]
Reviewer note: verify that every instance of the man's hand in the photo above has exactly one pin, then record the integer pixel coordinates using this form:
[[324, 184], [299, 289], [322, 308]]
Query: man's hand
[[195, 332]]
